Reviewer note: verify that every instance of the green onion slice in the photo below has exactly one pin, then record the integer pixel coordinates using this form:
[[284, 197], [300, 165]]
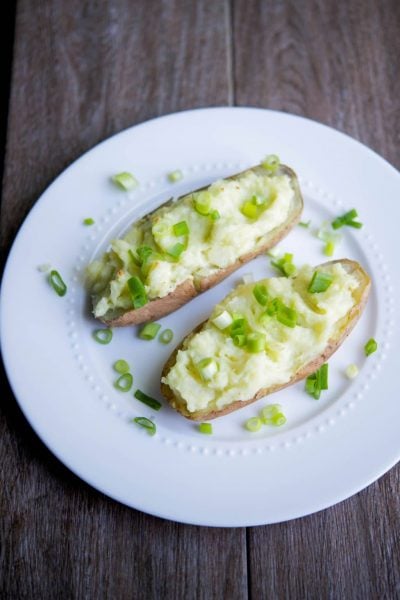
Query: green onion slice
[[149, 331], [88, 221], [260, 294], [223, 320], [126, 181], [57, 283], [305, 224], [180, 228], [137, 292], [253, 424], [287, 316], [148, 400], [271, 163], [202, 203], [166, 336], [239, 340], [318, 381], [207, 368], [329, 248], [121, 366], [205, 428], [250, 210], [214, 215], [175, 176], [176, 250], [124, 382], [370, 347], [103, 336], [143, 253], [146, 424], [278, 420], [320, 282], [268, 412], [255, 342], [352, 371], [347, 219], [285, 265]]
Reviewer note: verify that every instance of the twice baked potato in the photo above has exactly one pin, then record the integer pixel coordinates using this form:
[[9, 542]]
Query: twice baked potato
[[188, 245], [263, 337]]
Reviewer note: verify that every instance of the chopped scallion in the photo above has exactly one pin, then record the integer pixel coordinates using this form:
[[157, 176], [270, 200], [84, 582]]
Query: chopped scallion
[[175, 176], [149, 331], [370, 347], [253, 424], [287, 316], [318, 381], [347, 219], [271, 163], [285, 265], [255, 342], [207, 368], [126, 181], [223, 320], [148, 400], [304, 224], [268, 412], [88, 221], [260, 294], [320, 282], [214, 215], [352, 371], [166, 336], [103, 336], [205, 428], [329, 248], [202, 203], [146, 424], [278, 420], [57, 283], [137, 292], [180, 228], [124, 382], [176, 250], [121, 366]]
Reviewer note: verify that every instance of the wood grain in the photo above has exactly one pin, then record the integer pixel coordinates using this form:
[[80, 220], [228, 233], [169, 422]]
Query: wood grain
[[82, 71], [335, 62], [85, 69]]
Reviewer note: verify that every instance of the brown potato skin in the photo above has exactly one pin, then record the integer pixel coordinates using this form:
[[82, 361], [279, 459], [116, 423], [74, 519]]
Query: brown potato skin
[[333, 344], [160, 307]]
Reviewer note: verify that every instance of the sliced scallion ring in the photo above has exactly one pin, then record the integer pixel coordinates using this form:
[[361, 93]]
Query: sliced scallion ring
[[103, 336], [180, 228], [124, 382], [175, 176], [268, 412], [223, 320], [207, 368], [125, 181], [149, 331], [166, 336], [146, 424], [121, 366], [253, 424], [57, 283], [271, 163], [205, 428]]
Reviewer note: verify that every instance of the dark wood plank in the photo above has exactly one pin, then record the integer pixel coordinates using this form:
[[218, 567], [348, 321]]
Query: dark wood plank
[[338, 63], [82, 71]]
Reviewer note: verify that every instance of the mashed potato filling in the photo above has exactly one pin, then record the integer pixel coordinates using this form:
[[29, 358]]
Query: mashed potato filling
[[240, 374], [214, 242]]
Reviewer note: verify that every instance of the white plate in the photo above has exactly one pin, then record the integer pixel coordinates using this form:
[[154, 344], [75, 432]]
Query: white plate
[[63, 379]]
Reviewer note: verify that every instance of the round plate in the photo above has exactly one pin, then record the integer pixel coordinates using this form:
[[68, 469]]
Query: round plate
[[63, 380]]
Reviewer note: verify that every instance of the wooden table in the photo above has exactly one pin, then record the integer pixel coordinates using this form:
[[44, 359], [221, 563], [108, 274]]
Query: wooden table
[[83, 70]]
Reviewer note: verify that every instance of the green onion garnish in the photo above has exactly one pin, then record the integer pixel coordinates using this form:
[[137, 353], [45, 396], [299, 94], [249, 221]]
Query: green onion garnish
[[148, 400], [273, 307], [370, 347], [175, 176], [318, 381], [205, 428], [278, 420], [126, 181], [255, 342], [347, 219], [250, 210], [137, 292], [271, 163], [320, 282], [214, 215], [352, 371], [121, 366], [207, 368], [253, 424], [57, 283], [176, 250], [304, 224], [223, 320], [143, 253], [260, 294], [268, 412], [329, 248], [166, 336], [88, 221], [285, 265], [239, 339], [202, 203], [149, 331], [239, 327], [146, 424], [103, 336], [180, 228], [287, 316], [124, 382]]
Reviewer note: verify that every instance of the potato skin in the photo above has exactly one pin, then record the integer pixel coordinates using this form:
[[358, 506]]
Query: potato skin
[[160, 307], [333, 344]]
